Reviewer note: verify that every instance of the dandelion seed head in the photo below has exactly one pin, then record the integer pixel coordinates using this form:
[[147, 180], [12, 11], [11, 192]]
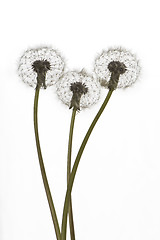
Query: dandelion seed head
[[38, 60], [79, 83], [117, 60]]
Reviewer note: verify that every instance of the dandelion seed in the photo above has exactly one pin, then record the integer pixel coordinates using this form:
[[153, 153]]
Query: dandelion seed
[[78, 89], [40, 67], [117, 68]]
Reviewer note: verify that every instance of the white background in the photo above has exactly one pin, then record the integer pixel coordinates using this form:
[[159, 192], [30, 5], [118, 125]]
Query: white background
[[116, 193]]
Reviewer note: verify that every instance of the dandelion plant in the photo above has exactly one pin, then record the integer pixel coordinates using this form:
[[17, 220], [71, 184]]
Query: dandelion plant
[[77, 90], [41, 68]]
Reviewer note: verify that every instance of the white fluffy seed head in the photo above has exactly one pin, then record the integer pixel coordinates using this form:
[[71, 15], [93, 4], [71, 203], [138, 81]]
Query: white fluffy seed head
[[65, 94], [121, 55], [27, 73]]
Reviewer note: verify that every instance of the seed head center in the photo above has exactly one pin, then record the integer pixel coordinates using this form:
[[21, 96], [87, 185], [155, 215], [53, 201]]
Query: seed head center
[[78, 88], [41, 66], [117, 67]]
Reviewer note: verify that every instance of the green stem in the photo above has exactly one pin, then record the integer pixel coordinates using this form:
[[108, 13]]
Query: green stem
[[71, 222], [43, 172], [76, 163]]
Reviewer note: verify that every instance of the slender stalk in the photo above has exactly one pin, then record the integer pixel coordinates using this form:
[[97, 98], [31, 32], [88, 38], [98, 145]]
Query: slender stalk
[[71, 222], [43, 172], [76, 163]]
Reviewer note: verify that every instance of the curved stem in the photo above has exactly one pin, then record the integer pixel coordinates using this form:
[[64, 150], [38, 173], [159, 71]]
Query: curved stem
[[76, 163], [43, 172], [71, 222]]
